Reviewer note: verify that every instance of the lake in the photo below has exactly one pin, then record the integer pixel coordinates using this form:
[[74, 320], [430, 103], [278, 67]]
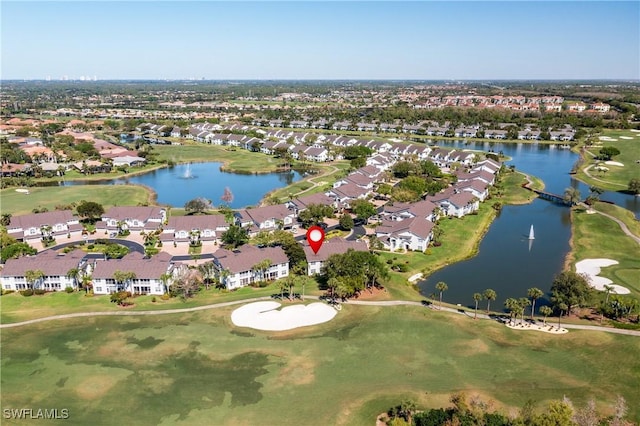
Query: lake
[[505, 262], [176, 185]]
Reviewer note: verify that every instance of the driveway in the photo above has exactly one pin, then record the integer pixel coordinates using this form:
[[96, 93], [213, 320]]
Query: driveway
[[131, 245]]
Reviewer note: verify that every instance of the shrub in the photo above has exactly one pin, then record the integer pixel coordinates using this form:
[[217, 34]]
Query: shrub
[[39, 291], [165, 297], [153, 299], [90, 247], [69, 289], [7, 292], [26, 293]]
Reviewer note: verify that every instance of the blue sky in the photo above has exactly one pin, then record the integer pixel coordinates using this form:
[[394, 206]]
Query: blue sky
[[320, 40]]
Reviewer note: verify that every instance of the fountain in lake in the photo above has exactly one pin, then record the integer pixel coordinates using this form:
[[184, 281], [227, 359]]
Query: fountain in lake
[[187, 173]]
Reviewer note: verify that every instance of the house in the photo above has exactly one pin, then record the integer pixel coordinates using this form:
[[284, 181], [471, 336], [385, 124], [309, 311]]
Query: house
[[128, 160], [488, 165], [346, 193], [409, 234], [600, 107], [478, 188], [237, 268], [459, 204], [35, 226], [54, 267], [400, 211], [316, 154], [269, 217], [149, 274], [315, 261], [133, 218], [181, 230], [301, 203], [357, 179], [370, 172]]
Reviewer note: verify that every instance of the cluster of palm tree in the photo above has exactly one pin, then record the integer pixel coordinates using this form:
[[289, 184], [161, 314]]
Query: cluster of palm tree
[[517, 307]]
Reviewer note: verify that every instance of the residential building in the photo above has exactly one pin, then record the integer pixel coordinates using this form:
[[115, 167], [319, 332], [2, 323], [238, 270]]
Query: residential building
[[55, 268], [315, 261], [149, 273], [237, 268], [48, 224]]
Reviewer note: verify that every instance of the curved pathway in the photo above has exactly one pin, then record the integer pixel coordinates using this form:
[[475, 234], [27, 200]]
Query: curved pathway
[[586, 172], [622, 225], [257, 299]]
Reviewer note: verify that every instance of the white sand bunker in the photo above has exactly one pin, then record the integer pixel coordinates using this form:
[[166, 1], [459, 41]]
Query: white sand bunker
[[607, 139], [614, 163], [591, 267], [626, 137], [266, 316]]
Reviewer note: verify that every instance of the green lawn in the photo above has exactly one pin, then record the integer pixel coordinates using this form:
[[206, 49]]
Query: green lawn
[[108, 195], [459, 241], [16, 307], [239, 160], [200, 369], [595, 236], [617, 178]]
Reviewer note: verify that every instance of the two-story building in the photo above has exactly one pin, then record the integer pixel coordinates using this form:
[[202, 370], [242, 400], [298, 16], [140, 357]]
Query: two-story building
[[239, 268]]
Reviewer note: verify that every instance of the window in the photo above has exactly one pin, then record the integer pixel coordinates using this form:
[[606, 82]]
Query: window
[[98, 289]]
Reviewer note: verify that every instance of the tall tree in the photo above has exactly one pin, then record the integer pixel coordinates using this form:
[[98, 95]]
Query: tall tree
[[122, 278], [546, 311], [534, 293], [235, 236], [476, 298], [227, 196], [6, 219], [90, 210], [570, 288], [32, 276], [572, 195], [441, 287], [197, 205], [490, 295]]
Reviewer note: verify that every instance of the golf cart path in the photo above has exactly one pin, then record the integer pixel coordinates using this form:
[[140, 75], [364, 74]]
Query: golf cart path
[[256, 299], [623, 226]]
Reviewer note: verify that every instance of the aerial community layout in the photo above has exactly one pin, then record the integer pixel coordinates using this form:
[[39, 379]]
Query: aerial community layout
[[332, 213]]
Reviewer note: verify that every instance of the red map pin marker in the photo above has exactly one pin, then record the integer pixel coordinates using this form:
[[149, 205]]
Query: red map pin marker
[[315, 238]]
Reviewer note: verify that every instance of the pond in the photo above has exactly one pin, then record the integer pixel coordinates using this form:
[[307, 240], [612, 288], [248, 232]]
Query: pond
[[177, 185], [507, 261]]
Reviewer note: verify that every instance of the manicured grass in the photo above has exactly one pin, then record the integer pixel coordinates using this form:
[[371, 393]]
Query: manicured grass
[[200, 369], [329, 173], [623, 214], [514, 193], [459, 241], [108, 195], [238, 160], [16, 307], [595, 236], [114, 174], [617, 178]]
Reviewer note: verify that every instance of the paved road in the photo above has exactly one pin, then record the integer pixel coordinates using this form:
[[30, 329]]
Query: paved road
[[386, 303], [131, 245]]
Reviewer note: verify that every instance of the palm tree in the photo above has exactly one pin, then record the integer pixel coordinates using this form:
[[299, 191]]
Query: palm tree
[[32, 276], [284, 283], [261, 267], [74, 273], [534, 293], [562, 307], [6, 219], [608, 289], [122, 277], [303, 281], [441, 287], [207, 270], [512, 306], [165, 278], [332, 284], [490, 295], [546, 311], [476, 297], [523, 302]]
